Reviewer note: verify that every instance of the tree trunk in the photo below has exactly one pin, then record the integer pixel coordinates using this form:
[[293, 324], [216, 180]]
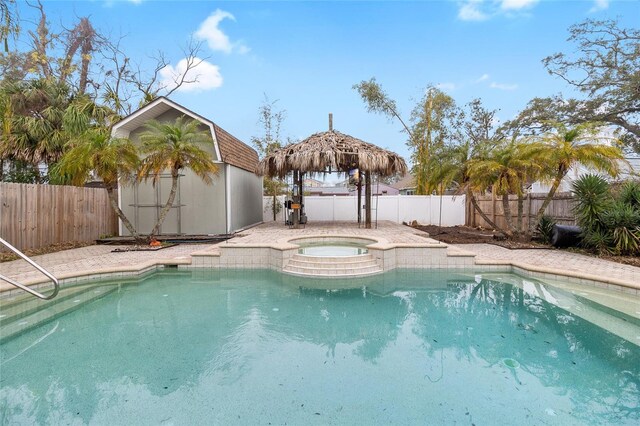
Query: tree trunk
[[477, 208], [114, 205], [168, 205], [367, 200], [507, 215], [554, 187]]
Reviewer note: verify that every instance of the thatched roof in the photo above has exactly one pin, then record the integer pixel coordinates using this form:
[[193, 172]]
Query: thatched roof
[[331, 151]]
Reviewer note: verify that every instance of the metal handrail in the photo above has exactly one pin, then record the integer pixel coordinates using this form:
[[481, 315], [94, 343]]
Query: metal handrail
[[56, 284]]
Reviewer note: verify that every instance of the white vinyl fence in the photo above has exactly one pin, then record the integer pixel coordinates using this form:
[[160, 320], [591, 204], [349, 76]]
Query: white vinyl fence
[[425, 209]]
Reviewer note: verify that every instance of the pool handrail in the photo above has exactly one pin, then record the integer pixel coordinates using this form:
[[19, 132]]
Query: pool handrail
[[56, 284]]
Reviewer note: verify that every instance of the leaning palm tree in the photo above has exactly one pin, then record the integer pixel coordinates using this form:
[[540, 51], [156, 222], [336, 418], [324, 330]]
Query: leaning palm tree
[[567, 147], [507, 170], [174, 147], [452, 170], [111, 159]]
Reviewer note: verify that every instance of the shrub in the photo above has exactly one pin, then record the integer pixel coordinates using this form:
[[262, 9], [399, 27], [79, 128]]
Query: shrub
[[623, 222], [545, 228], [630, 193], [610, 220], [592, 201]]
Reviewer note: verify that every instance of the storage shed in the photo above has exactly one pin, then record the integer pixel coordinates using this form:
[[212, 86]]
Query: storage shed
[[231, 203]]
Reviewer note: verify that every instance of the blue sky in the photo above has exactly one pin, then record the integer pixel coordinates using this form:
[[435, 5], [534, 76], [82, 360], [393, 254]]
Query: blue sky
[[308, 55]]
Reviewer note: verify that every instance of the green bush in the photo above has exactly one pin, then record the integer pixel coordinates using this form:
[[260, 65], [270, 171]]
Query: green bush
[[610, 220], [545, 228], [592, 201]]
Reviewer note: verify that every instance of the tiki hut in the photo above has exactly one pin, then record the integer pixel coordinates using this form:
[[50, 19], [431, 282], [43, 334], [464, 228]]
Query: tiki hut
[[332, 151]]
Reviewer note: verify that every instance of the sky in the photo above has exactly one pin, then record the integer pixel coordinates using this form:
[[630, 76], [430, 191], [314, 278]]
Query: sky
[[308, 55]]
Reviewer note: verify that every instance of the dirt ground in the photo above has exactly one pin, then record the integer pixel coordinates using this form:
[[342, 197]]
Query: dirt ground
[[468, 235], [6, 256]]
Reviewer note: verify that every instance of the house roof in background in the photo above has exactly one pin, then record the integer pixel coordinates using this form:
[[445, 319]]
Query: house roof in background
[[230, 149], [406, 182]]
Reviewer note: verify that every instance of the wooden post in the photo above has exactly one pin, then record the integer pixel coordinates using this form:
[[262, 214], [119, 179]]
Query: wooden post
[[367, 200], [301, 186], [528, 227], [359, 184], [296, 200]]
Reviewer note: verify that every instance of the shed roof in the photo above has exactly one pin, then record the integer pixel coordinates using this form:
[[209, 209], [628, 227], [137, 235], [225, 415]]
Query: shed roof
[[231, 150], [234, 151]]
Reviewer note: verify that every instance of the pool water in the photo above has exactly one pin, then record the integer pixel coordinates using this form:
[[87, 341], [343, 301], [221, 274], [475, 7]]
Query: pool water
[[258, 347], [330, 250], [326, 249]]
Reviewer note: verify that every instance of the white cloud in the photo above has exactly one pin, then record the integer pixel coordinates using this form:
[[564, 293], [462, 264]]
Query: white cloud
[[470, 11], [503, 86], [482, 10], [599, 5], [206, 75], [215, 38], [483, 77], [516, 4]]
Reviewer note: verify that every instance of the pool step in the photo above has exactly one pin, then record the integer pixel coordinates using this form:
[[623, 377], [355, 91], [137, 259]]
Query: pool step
[[333, 266], [20, 317]]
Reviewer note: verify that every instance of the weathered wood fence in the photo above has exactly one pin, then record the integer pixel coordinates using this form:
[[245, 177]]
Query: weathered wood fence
[[34, 216], [560, 209]]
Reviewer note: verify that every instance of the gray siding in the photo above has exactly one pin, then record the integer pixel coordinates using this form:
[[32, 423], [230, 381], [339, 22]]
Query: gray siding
[[202, 210], [245, 196]]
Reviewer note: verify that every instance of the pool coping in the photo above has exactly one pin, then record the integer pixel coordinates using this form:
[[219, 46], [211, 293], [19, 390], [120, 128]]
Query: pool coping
[[284, 244]]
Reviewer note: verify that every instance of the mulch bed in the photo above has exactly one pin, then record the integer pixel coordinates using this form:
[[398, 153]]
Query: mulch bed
[[468, 235], [9, 256]]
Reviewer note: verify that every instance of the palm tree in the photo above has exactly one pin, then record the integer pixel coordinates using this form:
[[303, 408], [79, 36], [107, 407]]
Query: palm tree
[[566, 147], [111, 159], [507, 170], [453, 169], [39, 118], [174, 147]]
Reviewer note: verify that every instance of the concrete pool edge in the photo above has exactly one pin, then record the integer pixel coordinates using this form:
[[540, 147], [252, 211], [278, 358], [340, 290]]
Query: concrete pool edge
[[247, 254]]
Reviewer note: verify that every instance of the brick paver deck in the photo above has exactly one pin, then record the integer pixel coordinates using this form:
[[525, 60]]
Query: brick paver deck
[[561, 261], [100, 259]]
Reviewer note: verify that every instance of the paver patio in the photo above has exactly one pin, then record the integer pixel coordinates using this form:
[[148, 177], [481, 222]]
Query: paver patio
[[100, 259]]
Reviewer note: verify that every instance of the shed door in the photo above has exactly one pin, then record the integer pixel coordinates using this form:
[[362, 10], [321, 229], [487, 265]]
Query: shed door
[[148, 202]]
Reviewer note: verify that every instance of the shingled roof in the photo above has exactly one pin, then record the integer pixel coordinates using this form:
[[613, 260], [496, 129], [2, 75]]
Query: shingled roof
[[234, 151]]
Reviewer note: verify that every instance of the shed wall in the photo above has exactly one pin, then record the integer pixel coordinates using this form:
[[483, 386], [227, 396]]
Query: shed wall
[[245, 196], [202, 210]]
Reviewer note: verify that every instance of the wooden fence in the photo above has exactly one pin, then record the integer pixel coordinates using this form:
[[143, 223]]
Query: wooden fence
[[560, 209], [34, 216]]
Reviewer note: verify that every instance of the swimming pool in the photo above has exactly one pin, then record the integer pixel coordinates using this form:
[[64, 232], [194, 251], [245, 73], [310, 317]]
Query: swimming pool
[[332, 249], [259, 347]]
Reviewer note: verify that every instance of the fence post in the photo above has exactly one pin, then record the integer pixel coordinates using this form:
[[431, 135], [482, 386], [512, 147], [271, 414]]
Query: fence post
[[493, 205]]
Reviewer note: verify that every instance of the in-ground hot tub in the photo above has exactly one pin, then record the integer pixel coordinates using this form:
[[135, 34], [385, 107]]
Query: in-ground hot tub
[[332, 246]]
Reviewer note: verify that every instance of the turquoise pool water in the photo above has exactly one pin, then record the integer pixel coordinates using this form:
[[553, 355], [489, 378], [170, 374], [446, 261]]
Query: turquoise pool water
[[258, 347], [330, 250]]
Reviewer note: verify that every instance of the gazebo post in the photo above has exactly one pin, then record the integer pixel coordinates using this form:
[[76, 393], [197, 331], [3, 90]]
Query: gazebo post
[[367, 199], [296, 199], [301, 189], [359, 184]]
